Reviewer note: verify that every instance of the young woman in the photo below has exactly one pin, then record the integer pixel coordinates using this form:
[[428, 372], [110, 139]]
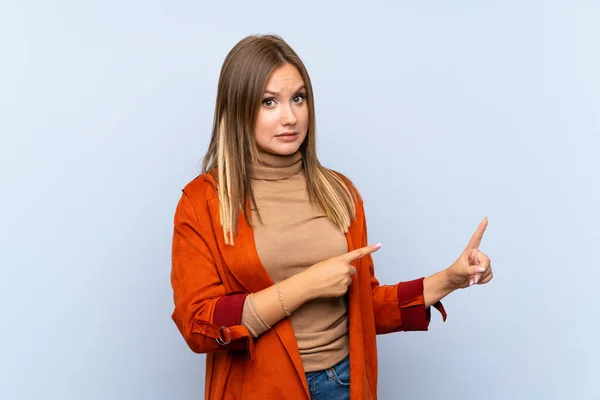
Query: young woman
[[272, 272]]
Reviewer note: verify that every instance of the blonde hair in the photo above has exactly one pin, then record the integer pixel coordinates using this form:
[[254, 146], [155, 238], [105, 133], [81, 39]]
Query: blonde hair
[[232, 148]]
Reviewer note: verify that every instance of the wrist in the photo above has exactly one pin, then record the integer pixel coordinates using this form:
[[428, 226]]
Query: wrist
[[307, 290], [437, 286], [449, 279]]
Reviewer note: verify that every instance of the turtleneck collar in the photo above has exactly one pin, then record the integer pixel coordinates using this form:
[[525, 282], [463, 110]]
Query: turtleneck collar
[[273, 167]]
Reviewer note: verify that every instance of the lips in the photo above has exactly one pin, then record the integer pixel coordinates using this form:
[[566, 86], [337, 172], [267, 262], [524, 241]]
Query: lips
[[287, 134], [287, 137]]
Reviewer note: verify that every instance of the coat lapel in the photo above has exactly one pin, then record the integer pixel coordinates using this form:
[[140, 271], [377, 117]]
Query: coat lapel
[[241, 259]]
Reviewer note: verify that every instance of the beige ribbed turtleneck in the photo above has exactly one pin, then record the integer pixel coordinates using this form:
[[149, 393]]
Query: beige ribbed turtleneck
[[292, 236]]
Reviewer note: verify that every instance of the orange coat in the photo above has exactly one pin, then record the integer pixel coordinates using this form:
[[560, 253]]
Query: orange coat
[[209, 280]]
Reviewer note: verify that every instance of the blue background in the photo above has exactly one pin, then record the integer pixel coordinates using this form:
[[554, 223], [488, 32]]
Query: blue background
[[442, 113]]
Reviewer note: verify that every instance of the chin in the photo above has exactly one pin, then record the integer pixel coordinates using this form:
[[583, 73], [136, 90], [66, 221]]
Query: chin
[[283, 149]]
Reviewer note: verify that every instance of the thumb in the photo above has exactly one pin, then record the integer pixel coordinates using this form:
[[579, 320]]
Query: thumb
[[473, 262], [360, 253], [472, 258]]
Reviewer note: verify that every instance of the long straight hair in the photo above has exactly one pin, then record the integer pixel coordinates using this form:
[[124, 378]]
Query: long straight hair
[[232, 148]]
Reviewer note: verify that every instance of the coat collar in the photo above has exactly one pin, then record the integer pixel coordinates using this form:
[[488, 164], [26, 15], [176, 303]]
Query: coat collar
[[242, 258]]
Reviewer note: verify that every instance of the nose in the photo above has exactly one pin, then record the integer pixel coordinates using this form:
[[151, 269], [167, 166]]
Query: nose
[[288, 116]]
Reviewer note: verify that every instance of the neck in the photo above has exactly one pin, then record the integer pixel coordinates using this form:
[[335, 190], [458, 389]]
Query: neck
[[275, 166]]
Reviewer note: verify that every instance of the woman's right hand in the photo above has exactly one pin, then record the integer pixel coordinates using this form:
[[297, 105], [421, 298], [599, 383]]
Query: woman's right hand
[[331, 278]]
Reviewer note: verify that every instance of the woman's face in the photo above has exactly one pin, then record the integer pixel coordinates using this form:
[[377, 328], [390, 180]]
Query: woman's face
[[282, 121]]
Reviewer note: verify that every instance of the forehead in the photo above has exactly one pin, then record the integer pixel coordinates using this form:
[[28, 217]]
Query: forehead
[[285, 77]]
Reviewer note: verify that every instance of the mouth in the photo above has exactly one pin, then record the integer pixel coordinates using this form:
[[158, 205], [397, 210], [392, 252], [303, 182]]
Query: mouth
[[287, 134]]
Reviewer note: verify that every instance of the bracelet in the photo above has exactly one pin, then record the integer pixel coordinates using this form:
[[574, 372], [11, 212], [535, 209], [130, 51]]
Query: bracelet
[[281, 300]]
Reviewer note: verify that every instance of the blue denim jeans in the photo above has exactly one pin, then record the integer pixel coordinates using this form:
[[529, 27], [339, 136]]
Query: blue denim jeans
[[332, 383]]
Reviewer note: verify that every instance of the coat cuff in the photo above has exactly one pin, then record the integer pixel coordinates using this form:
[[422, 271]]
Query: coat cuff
[[415, 317], [228, 313]]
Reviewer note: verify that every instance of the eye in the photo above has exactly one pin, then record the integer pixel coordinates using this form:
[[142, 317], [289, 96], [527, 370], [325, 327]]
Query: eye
[[270, 102], [299, 98]]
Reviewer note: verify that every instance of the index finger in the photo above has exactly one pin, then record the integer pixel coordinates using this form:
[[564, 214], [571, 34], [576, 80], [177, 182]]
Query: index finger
[[360, 253], [478, 235]]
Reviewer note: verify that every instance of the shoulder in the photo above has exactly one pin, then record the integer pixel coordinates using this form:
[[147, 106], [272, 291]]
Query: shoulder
[[202, 188], [358, 221], [195, 197], [349, 185]]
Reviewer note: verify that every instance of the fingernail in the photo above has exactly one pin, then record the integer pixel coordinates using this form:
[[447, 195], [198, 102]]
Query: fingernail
[[378, 245], [480, 269], [471, 282], [477, 278]]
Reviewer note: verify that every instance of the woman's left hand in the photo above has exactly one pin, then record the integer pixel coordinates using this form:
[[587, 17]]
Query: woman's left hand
[[473, 266]]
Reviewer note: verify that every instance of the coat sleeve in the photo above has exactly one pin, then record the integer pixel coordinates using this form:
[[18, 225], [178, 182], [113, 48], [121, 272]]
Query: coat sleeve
[[399, 307], [206, 315]]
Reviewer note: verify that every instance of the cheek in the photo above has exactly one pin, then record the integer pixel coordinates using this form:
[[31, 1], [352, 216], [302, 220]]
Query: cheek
[[263, 129], [303, 119]]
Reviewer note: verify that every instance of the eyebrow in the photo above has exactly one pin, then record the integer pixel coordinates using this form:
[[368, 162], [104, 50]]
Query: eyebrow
[[276, 93]]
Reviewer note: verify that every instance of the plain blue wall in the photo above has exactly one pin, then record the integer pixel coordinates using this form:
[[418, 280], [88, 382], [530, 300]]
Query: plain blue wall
[[441, 113]]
